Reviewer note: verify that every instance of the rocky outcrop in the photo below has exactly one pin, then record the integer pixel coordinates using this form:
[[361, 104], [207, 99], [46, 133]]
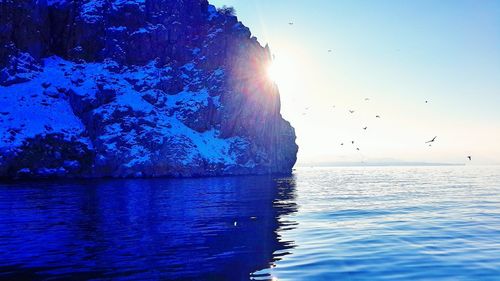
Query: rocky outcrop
[[135, 88]]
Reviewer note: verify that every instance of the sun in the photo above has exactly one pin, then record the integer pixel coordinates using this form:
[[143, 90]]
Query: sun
[[281, 72], [273, 72]]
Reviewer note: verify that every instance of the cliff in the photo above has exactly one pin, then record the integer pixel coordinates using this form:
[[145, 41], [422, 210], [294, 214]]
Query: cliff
[[135, 88]]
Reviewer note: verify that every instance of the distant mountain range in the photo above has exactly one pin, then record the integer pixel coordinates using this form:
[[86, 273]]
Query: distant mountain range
[[373, 164]]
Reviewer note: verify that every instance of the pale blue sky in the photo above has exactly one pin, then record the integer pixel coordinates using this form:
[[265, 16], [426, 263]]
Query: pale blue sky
[[399, 54]]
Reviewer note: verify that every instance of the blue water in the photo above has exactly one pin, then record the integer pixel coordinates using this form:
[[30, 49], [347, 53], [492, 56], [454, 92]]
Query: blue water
[[387, 223]]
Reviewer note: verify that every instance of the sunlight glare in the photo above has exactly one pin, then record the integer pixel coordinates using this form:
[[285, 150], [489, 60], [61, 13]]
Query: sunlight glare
[[272, 72], [282, 72]]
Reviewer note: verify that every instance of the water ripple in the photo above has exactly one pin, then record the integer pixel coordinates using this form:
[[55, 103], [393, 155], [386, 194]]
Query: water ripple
[[408, 223], [403, 223]]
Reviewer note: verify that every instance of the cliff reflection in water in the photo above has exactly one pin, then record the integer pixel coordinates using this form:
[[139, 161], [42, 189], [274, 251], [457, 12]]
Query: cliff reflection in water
[[142, 229]]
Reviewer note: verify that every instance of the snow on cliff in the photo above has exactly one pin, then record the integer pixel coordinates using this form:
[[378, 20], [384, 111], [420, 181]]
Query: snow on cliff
[[135, 88]]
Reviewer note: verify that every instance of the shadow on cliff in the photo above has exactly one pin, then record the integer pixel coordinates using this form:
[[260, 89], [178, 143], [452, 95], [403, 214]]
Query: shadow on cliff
[[179, 229]]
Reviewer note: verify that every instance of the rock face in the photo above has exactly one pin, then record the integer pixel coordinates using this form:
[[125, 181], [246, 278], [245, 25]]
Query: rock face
[[135, 88]]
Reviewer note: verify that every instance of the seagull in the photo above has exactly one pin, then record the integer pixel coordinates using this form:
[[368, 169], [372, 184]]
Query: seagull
[[364, 128], [351, 111], [431, 140], [470, 158]]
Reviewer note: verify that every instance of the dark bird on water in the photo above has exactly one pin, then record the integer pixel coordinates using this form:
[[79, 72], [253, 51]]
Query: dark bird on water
[[378, 116], [352, 142], [357, 148], [433, 139], [470, 158], [426, 101], [364, 128], [342, 144], [329, 51]]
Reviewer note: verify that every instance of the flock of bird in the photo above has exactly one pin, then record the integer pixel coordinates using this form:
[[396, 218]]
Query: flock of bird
[[351, 112], [430, 142]]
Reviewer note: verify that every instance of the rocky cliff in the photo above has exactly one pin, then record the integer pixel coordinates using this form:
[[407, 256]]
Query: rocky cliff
[[135, 88]]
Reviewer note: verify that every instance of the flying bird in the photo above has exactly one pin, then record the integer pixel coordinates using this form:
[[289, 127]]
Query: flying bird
[[433, 139], [470, 158], [351, 111]]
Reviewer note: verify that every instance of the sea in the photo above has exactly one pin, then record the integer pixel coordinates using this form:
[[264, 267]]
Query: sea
[[328, 223]]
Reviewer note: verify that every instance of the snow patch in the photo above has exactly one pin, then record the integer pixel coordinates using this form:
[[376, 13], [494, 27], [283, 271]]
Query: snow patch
[[141, 126], [29, 112], [91, 12]]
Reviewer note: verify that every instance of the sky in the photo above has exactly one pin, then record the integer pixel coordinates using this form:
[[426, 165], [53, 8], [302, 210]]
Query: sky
[[398, 54]]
